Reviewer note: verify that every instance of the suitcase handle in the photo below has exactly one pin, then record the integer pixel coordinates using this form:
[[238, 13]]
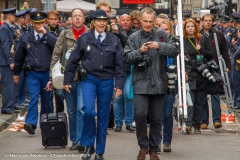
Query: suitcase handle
[[46, 106]]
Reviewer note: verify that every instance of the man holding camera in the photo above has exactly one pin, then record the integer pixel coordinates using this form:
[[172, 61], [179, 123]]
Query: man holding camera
[[147, 53], [208, 30]]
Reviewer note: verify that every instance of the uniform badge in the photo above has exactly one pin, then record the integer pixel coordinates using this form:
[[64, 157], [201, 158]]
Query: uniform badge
[[38, 14], [28, 46], [88, 48]]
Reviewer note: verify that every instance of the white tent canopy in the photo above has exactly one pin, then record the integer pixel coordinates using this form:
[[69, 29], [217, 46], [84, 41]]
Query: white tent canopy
[[69, 5]]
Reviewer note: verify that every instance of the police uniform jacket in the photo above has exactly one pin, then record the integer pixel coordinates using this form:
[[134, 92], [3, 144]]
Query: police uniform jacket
[[152, 80], [6, 35], [103, 61], [36, 54]]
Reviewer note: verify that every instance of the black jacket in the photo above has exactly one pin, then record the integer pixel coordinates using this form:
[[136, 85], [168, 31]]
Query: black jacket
[[152, 80], [222, 47], [195, 78]]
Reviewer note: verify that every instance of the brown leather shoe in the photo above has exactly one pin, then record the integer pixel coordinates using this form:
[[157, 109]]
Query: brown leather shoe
[[142, 154], [204, 126], [217, 125], [153, 156]]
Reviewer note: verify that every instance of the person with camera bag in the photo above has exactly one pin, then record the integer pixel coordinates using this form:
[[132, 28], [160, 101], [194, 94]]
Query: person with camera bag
[[197, 52], [207, 31], [147, 53]]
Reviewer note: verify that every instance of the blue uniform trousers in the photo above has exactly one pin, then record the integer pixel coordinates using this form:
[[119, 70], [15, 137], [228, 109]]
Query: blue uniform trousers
[[236, 85], [20, 89], [93, 88], [37, 81], [8, 89]]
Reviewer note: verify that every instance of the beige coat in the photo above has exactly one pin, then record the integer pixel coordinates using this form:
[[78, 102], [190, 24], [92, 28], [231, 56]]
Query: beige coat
[[58, 49]]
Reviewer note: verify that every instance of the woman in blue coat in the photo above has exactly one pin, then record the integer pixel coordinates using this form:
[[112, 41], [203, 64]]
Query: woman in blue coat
[[101, 56]]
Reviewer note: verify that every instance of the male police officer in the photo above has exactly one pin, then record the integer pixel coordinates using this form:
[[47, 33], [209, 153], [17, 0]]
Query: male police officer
[[7, 38], [35, 50]]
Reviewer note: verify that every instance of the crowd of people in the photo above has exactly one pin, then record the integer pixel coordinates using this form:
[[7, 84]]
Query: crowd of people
[[120, 62]]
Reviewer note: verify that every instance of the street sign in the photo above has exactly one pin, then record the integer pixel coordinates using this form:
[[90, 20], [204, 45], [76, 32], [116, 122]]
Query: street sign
[[48, 1], [138, 1]]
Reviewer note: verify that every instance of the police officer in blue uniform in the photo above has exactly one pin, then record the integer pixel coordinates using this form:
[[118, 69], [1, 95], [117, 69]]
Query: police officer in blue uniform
[[35, 50], [20, 87], [25, 27], [7, 38], [236, 66], [101, 57]]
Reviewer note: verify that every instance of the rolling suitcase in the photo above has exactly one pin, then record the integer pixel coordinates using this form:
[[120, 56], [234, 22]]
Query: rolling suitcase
[[54, 128]]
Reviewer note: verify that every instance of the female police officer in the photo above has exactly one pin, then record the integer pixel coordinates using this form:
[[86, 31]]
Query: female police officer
[[100, 54]]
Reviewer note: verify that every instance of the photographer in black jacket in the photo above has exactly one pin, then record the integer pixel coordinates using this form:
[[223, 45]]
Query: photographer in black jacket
[[147, 53]]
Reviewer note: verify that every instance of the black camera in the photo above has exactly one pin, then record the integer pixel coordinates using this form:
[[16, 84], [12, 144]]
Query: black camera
[[172, 69], [89, 17], [144, 63], [206, 73], [176, 38], [212, 64]]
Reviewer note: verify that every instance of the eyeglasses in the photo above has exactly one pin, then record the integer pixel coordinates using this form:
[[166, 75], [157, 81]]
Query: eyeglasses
[[77, 16]]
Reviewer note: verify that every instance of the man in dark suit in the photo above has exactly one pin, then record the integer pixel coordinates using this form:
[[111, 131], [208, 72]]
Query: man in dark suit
[[7, 38]]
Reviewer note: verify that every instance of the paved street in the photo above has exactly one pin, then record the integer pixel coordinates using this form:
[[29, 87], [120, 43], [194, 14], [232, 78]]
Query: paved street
[[123, 146]]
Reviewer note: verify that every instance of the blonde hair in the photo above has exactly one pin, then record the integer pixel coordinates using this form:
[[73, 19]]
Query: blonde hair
[[169, 24], [103, 3], [135, 14], [92, 27]]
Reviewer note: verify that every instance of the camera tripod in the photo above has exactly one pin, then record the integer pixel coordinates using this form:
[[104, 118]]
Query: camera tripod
[[224, 74]]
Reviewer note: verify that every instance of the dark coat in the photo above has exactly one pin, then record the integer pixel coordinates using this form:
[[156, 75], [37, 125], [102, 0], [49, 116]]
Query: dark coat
[[152, 80], [6, 35], [195, 78], [103, 61], [36, 54], [223, 48]]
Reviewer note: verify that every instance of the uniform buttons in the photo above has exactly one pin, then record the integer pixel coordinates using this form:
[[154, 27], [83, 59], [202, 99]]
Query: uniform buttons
[[101, 66], [36, 48], [101, 53], [36, 59]]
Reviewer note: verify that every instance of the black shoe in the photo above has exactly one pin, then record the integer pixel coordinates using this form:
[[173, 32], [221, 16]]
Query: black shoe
[[73, 147], [98, 157], [29, 128], [88, 152], [18, 108], [118, 129], [8, 112], [80, 148], [197, 130], [24, 105], [16, 111], [130, 128]]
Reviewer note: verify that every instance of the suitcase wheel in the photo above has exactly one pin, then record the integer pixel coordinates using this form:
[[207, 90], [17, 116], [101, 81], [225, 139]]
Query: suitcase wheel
[[63, 146], [45, 146]]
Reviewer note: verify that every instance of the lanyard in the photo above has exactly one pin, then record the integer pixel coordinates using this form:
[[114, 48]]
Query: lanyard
[[54, 31], [193, 45]]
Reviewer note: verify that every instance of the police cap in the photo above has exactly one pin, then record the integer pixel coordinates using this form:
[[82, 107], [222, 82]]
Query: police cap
[[218, 17], [38, 16], [236, 17], [100, 14], [28, 10], [225, 19], [9, 11], [33, 10], [20, 13]]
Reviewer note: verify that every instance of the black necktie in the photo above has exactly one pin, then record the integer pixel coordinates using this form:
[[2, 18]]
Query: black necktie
[[99, 38]]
